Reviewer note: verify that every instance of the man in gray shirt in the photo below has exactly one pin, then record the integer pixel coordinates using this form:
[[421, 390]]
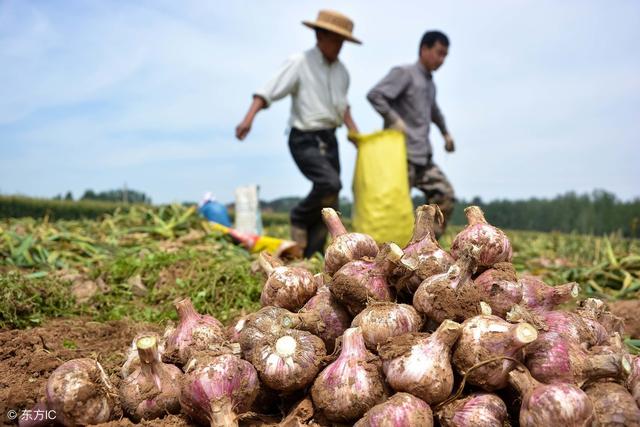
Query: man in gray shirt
[[406, 99]]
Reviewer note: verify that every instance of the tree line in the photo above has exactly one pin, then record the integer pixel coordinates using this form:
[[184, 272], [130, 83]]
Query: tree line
[[119, 195], [599, 212]]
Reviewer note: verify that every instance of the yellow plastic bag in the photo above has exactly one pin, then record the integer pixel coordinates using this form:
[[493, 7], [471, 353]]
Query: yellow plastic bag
[[382, 203]]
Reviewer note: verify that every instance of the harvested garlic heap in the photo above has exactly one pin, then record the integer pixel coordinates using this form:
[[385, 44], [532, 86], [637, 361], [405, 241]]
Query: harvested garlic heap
[[382, 338]]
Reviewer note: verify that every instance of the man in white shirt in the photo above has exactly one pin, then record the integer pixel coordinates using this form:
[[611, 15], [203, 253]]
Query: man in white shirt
[[317, 82]]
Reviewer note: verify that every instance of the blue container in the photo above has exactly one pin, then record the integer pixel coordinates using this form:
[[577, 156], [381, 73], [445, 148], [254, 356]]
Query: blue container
[[215, 212]]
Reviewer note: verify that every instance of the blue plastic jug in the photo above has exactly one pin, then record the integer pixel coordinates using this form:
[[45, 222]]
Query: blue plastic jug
[[215, 212]]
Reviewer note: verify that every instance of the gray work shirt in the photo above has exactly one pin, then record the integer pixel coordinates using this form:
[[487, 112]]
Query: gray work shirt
[[408, 92]]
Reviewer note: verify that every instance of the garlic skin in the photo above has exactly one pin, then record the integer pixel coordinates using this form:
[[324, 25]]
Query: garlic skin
[[551, 405], [351, 385], [359, 282], [381, 321], [194, 332], [596, 310], [286, 287], [487, 244], [556, 358], [233, 330], [423, 256], [420, 364], [80, 393], [288, 362], [574, 327], [485, 337], [539, 296], [633, 381], [153, 389], [475, 410], [500, 288], [400, 410], [218, 390], [451, 295], [335, 319], [613, 405], [272, 321], [345, 247]]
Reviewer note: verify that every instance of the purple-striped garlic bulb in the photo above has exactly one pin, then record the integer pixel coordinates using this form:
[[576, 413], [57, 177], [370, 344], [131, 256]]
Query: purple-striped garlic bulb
[[272, 321], [80, 393], [633, 381], [485, 337], [539, 296], [194, 332], [383, 320], [499, 288], [359, 282], [451, 295], [420, 364], [288, 361], [475, 410], [423, 256], [218, 390], [335, 318], [400, 410], [153, 389], [574, 327], [613, 405], [351, 385], [487, 244], [345, 247], [286, 287], [551, 405], [556, 358]]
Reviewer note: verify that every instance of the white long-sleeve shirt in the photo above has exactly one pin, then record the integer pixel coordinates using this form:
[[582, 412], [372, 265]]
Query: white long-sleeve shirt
[[317, 87]]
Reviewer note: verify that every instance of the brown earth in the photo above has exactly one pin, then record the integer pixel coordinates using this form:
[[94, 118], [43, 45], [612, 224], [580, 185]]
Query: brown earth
[[629, 310], [29, 356]]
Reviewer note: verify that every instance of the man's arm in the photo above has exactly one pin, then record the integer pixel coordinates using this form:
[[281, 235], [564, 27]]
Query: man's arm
[[281, 85], [351, 125], [387, 90], [245, 125], [438, 118]]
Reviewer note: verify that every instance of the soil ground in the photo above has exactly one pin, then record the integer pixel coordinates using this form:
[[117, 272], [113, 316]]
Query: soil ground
[[629, 310], [29, 356]]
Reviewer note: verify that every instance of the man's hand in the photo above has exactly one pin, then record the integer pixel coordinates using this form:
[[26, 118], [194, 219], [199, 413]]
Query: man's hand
[[352, 136], [448, 143], [398, 125], [243, 129]]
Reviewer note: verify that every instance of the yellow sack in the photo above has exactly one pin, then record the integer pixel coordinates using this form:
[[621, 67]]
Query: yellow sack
[[382, 204]]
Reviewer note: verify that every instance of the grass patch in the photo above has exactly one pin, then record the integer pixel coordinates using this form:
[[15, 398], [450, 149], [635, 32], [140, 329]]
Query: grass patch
[[141, 261]]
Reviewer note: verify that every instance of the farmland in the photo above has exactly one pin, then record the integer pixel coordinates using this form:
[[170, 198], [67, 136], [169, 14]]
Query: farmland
[[76, 288]]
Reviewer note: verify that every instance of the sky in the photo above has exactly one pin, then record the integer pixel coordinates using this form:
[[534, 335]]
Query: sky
[[542, 97]]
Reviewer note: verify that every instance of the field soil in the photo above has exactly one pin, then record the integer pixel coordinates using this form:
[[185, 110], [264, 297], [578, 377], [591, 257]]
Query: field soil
[[628, 310], [29, 356]]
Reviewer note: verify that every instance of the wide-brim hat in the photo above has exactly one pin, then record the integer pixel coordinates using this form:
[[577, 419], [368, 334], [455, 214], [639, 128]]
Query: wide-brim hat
[[335, 22]]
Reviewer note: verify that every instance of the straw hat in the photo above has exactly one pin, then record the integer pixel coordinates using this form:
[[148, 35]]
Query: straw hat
[[335, 22]]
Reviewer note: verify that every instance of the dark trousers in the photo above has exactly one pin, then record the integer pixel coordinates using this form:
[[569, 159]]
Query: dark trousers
[[436, 188], [316, 155]]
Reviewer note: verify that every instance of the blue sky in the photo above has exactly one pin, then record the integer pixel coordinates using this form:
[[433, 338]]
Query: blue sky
[[542, 97]]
